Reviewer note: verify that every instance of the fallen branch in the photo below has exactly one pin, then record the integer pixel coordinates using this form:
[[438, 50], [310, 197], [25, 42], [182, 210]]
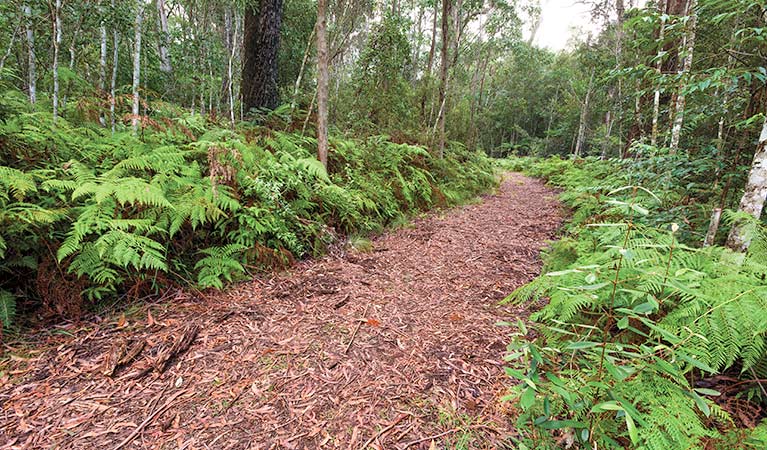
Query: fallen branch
[[181, 345]]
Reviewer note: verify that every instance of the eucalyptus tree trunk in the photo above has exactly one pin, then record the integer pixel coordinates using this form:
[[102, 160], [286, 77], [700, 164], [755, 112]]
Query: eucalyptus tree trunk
[[102, 62], [658, 66], [614, 92], [227, 44], [230, 72], [446, 7], [417, 41], [56, 47], [322, 83], [137, 65], [31, 69], [307, 51], [581, 140], [113, 83], [165, 65], [261, 44], [713, 227], [551, 120], [429, 68], [10, 48], [689, 44], [754, 196], [432, 47]]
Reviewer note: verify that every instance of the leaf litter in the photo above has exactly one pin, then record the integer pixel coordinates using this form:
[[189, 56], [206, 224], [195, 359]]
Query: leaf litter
[[394, 348]]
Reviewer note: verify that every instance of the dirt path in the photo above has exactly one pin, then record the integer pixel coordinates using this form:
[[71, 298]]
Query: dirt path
[[392, 348]]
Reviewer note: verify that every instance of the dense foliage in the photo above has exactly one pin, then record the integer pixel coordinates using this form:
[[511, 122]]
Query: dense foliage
[[644, 333], [87, 215]]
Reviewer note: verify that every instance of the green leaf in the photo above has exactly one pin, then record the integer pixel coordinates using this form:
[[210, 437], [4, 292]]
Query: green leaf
[[527, 398], [633, 434], [623, 323], [701, 403], [611, 405], [582, 345], [705, 391], [696, 363]]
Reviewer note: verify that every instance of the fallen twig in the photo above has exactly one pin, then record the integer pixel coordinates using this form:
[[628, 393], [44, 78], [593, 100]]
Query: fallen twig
[[356, 329], [385, 430], [148, 420]]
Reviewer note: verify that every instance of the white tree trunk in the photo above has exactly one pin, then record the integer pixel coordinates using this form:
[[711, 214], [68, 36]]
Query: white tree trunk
[[10, 49], [56, 47], [689, 44], [297, 86], [581, 140], [713, 227], [754, 196], [446, 7], [102, 65], [165, 65], [113, 84], [230, 73], [137, 65], [31, 70], [322, 83], [658, 67]]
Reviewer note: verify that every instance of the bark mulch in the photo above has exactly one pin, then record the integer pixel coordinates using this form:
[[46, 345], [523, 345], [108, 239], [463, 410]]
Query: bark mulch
[[394, 348]]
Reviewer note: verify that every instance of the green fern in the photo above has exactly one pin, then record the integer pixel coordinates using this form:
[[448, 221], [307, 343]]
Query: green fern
[[219, 265], [632, 313], [7, 308]]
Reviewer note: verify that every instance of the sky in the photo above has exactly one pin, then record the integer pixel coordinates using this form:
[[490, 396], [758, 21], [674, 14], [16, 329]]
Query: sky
[[561, 20]]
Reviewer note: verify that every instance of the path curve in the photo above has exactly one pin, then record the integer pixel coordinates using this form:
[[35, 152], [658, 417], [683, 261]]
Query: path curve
[[392, 348]]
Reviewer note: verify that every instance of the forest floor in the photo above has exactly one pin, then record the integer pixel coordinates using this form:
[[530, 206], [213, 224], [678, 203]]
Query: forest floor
[[392, 348]]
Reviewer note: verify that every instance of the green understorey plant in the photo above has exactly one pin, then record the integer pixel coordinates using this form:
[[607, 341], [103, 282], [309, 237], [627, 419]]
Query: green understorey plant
[[87, 215], [646, 340]]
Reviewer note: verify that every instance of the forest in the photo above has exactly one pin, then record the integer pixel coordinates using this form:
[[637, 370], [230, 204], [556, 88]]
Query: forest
[[375, 224]]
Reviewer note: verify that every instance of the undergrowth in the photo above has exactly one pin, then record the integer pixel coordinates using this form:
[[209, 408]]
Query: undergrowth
[[646, 340], [87, 215]]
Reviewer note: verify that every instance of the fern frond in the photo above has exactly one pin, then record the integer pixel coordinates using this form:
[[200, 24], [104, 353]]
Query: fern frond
[[7, 308]]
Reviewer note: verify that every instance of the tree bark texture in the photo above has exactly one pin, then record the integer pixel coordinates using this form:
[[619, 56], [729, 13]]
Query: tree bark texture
[[689, 45], [322, 83], [261, 43], [137, 65], [754, 196], [446, 7]]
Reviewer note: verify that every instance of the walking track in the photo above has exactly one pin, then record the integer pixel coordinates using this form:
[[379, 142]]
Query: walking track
[[392, 348]]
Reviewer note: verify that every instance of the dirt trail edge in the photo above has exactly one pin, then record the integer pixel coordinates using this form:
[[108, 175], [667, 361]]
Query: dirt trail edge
[[389, 349]]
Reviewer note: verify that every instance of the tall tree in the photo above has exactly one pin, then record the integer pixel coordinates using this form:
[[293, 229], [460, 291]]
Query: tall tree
[[684, 72], [102, 59], [261, 43], [658, 69], [322, 83], [581, 140], [56, 47], [162, 43], [137, 64], [113, 82], [31, 70], [446, 8]]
